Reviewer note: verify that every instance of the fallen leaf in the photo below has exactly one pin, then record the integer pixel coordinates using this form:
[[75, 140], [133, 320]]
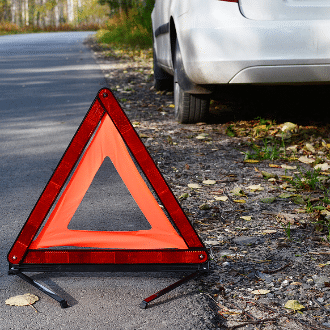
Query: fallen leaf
[[201, 136], [239, 201], [251, 161], [288, 167], [322, 167], [269, 231], [294, 305], [298, 199], [267, 175], [143, 136], [194, 185], [211, 242], [237, 191], [261, 291], [287, 127], [306, 160], [246, 217], [285, 195], [310, 147], [286, 177], [285, 218], [184, 196], [274, 165], [221, 198], [256, 187], [209, 182], [136, 124], [26, 299], [204, 207], [268, 200], [292, 148], [171, 106]]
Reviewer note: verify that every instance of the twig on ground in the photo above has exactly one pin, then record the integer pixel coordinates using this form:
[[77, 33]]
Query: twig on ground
[[322, 307], [266, 271]]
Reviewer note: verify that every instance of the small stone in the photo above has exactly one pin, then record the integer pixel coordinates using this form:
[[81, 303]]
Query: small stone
[[326, 324], [226, 264], [320, 280], [245, 240], [226, 253], [296, 283], [310, 280], [321, 300], [284, 283]]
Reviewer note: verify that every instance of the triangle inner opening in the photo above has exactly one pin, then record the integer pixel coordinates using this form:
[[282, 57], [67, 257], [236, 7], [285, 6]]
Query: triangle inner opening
[[108, 205]]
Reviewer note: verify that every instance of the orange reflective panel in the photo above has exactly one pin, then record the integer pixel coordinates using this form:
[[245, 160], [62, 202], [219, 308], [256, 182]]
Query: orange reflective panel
[[107, 142]]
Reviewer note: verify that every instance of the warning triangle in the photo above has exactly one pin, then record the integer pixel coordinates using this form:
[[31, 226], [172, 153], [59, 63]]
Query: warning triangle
[[45, 239]]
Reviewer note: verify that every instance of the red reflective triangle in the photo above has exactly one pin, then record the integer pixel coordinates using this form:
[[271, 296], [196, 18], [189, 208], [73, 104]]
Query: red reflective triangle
[[106, 132]]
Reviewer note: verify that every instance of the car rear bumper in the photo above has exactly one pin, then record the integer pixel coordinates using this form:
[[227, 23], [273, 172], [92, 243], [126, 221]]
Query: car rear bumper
[[247, 51], [283, 74]]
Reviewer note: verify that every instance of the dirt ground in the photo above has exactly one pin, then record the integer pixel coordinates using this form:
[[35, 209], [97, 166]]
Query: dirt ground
[[265, 248]]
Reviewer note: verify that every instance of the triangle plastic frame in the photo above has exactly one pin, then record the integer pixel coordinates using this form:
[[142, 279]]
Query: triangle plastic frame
[[22, 257]]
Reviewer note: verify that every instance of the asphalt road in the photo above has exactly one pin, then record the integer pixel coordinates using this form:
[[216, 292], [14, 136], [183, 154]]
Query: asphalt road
[[47, 84]]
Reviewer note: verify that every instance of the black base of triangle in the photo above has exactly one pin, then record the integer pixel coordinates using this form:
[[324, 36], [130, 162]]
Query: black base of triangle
[[144, 304], [63, 302]]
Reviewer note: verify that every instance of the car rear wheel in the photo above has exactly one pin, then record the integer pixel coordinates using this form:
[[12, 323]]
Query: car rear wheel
[[189, 108]]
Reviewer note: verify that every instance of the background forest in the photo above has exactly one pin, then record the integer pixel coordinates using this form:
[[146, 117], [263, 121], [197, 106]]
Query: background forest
[[119, 21]]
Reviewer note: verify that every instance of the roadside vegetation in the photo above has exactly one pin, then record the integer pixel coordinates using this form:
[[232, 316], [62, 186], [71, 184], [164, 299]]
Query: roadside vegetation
[[128, 29], [30, 16], [303, 152]]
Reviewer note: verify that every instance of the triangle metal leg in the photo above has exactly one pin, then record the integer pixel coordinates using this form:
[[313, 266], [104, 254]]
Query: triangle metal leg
[[145, 302], [48, 292]]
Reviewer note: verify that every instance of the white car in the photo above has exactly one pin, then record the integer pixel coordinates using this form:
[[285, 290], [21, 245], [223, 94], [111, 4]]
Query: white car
[[202, 45]]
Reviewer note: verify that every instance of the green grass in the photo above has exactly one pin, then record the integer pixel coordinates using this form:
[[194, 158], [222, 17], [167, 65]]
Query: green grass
[[133, 30], [272, 149]]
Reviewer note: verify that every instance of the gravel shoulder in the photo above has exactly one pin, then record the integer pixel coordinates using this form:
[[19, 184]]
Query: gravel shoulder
[[258, 244]]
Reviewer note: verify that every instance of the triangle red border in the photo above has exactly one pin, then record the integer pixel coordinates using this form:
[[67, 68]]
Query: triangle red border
[[106, 104]]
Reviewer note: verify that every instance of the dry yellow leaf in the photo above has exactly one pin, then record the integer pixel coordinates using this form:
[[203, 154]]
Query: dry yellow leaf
[[136, 124], [261, 291], [26, 299], [246, 217], [251, 161], [289, 127], [255, 187], [239, 201], [209, 182], [269, 231], [194, 185], [221, 198], [201, 136], [171, 106], [288, 167], [294, 305], [274, 165], [322, 167], [310, 147], [306, 160]]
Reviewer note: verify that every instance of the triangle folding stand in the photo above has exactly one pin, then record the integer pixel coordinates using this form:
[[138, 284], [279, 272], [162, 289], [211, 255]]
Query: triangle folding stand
[[45, 244]]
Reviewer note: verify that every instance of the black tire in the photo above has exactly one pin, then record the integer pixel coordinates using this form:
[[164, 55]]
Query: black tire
[[163, 81], [189, 108]]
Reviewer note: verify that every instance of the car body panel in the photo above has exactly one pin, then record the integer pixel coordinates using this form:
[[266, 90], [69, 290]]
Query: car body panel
[[282, 10], [220, 46]]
